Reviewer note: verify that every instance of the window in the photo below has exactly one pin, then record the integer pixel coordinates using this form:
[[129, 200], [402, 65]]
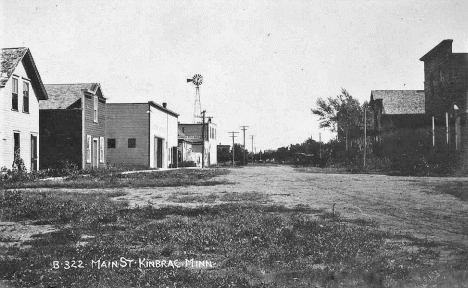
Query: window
[[25, 97], [88, 148], [131, 142], [96, 109], [16, 148], [101, 149], [110, 143], [14, 96]]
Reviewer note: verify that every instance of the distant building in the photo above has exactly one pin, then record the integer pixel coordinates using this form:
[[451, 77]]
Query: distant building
[[194, 132], [143, 134], [73, 126], [185, 149], [398, 109], [224, 148], [224, 153], [21, 88]]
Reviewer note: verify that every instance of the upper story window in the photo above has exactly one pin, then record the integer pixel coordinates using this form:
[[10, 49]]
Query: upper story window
[[95, 108], [14, 95], [26, 97]]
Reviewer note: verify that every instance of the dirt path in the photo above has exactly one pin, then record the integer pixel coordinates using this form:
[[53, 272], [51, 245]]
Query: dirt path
[[406, 204]]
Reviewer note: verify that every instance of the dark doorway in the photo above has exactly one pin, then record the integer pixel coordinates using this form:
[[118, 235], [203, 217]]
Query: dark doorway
[[33, 153], [158, 148]]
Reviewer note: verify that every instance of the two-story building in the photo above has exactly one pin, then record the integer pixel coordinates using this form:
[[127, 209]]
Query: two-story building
[[21, 88], [195, 132], [143, 134], [73, 126], [446, 95]]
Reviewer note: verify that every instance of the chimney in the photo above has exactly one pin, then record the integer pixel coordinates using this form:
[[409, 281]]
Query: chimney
[[164, 104]]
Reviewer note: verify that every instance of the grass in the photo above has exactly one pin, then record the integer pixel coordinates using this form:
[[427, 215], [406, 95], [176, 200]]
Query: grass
[[458, 189], [221, 197], [108, 178], [241, 244]]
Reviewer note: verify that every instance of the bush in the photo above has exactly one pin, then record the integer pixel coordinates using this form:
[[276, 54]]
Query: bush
[[187, 164]]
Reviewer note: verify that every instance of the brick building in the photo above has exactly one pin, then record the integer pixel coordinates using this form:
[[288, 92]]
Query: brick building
[[446, 94]]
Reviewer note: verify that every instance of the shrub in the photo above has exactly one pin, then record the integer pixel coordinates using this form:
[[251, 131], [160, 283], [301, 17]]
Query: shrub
[[18, 163], [187, 164]]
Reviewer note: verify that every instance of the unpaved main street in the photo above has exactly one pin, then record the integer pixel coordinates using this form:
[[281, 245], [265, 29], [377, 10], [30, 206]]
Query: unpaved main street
[[407, 204]]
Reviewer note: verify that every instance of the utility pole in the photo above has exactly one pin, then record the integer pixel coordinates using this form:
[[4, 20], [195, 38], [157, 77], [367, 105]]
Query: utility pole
[[243, 129], [232, 135], [365, 134], [252, 151], [203, 139]]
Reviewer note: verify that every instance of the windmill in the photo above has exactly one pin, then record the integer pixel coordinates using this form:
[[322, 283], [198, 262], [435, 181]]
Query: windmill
[[197, 80]]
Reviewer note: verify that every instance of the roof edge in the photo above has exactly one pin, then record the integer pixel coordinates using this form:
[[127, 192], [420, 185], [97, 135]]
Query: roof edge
[[436, 49]]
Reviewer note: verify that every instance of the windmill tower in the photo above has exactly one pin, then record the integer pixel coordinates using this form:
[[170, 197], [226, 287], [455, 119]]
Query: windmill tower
[[197, 80]]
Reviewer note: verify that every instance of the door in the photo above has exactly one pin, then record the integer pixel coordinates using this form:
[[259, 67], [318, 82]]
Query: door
[[158, 146], [95, 154], [33, 153]]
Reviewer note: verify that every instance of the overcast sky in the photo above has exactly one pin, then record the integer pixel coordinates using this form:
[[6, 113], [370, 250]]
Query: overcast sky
[[264, 63]]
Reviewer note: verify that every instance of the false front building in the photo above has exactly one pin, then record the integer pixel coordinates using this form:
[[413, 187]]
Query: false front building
[[194, 132], [446, 91], [141, 134]]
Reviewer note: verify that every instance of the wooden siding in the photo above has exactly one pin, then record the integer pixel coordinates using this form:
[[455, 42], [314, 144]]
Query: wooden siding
[[163, 125], [26, 124], [61, 135], [124, 121], [195, 131], [92, 128]]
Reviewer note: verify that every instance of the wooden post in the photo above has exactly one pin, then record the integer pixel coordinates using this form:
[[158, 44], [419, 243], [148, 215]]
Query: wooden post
[[365, 134], [203, 140], [433, 131], [447, 127], [233, 135]]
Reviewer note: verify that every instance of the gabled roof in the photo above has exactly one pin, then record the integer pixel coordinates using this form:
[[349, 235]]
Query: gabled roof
[[62, 96], [10, 59], [400, 101]]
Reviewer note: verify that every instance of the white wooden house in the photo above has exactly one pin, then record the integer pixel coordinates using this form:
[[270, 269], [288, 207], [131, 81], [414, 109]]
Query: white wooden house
[[21, 88]]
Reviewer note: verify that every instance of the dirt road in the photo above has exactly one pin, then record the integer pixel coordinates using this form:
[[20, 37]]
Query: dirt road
[[406, 204]]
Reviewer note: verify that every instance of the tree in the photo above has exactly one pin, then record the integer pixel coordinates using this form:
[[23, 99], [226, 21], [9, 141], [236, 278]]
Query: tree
[[239, 152], [341, 114]]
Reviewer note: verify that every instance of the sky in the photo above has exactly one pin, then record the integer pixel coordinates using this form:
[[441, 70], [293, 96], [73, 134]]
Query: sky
[[264, 63]]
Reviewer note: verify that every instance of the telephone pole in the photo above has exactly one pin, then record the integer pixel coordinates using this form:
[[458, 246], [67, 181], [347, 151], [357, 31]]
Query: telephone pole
[[232, 135], [203, 139], [243, 129], [365, 134], [252, 151]]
